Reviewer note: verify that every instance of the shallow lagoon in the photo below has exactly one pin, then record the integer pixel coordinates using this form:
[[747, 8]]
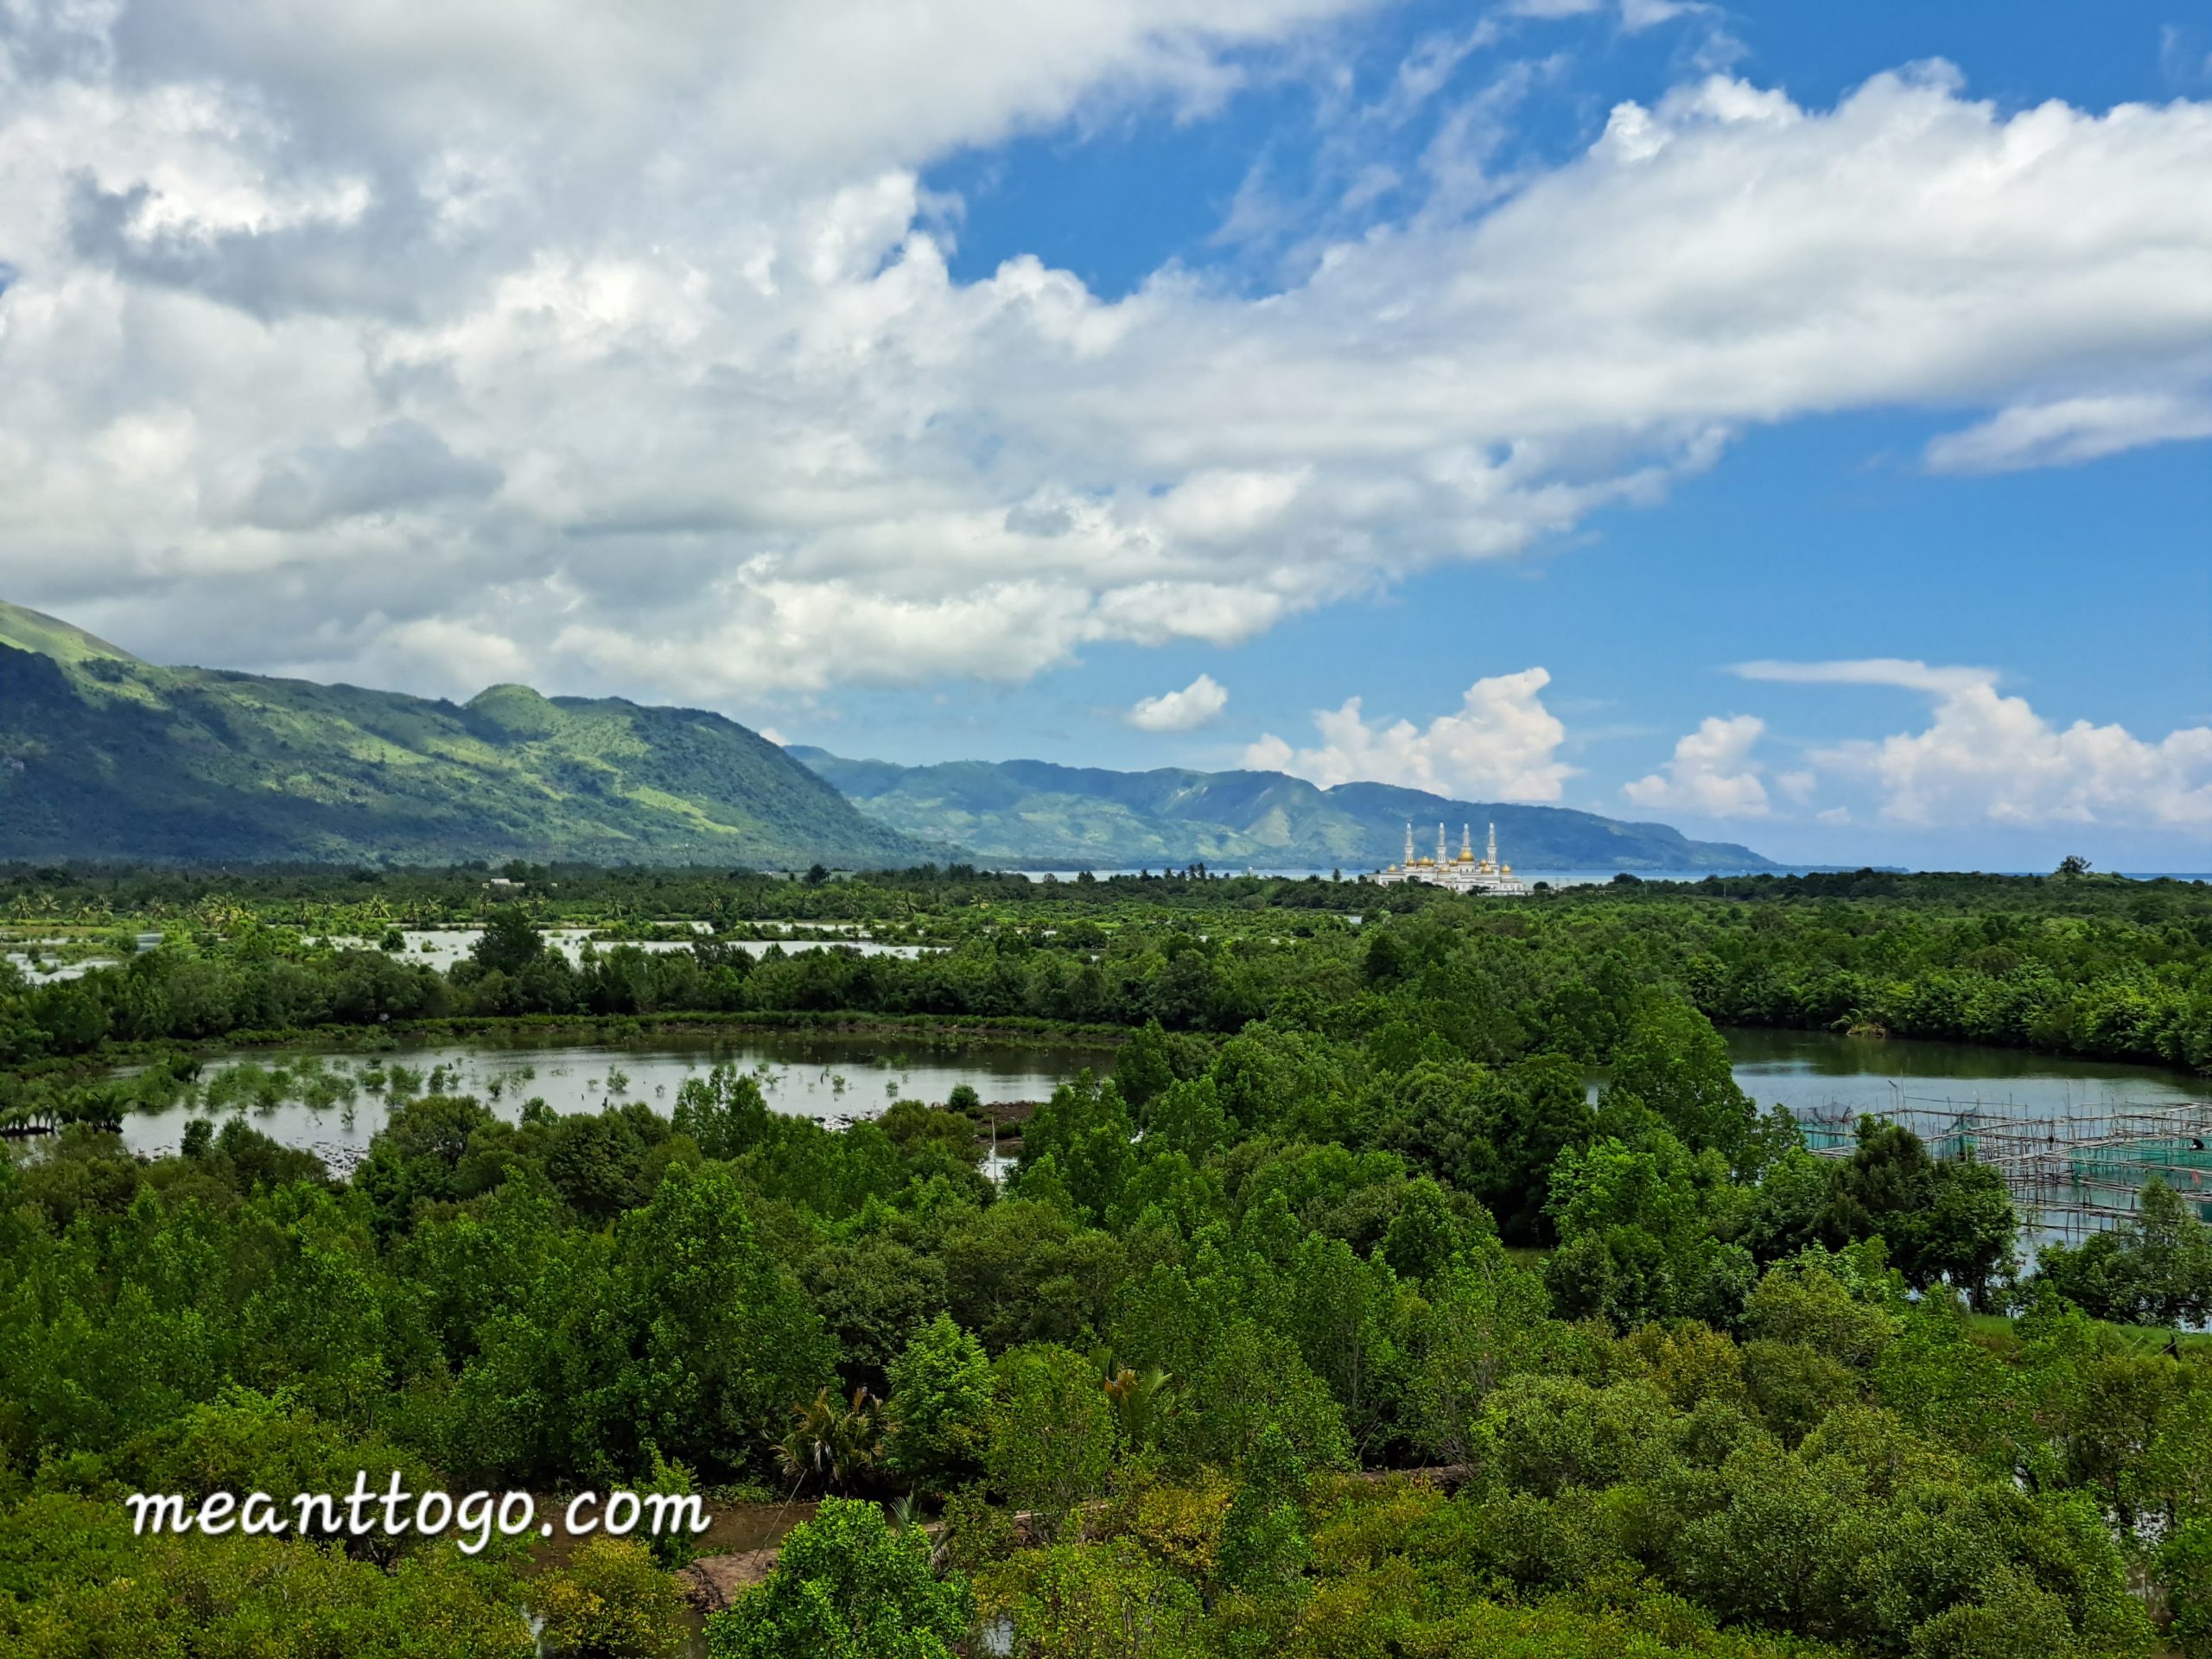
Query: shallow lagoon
[[441, 947], [1814, 1073], [339, 1098]]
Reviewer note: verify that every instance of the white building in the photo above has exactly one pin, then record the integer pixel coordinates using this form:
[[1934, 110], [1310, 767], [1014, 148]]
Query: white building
[[1465, 873]]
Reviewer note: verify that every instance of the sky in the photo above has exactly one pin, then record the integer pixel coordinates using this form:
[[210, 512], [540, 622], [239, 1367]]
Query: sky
[[1791, 423]]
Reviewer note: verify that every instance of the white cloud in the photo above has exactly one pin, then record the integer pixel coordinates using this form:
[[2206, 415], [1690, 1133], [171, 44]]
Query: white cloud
[[1904, 674], [2071, 429], [625, 337], [1988, 758], [1181, 711], [1711, 773], [1502, 745]]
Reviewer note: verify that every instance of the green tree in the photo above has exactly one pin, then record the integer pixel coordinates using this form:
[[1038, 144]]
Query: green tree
[[1263, 1545], [1090, 1601], [724, 1112], [1534, 1111], [2185, 1564], [1675, 1063], [1051, 1440], [509, 942], [833, 1440], [1085, 1130], [1484, 1319], [940, 1409], [721, 1338], [610, 1602], [1950, 1220], [2154, 1269], [846, 1587], [1637, 1240], [1142, 1069], [1426, 1234]]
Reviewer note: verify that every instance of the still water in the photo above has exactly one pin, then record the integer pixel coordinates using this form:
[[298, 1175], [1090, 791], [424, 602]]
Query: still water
[[1812, 1073], [332, 1102], [441, 947]]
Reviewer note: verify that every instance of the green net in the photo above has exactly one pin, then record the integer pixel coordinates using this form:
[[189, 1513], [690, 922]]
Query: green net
[[2113, 1175], [2108, 1178], [1955, 1143]]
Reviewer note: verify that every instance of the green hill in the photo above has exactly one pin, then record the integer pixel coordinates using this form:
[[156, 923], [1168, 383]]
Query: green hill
[[1030, 814], [104, 756]]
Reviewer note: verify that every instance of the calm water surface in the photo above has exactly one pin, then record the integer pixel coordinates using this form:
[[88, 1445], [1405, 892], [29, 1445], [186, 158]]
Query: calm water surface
[[1818, 1073], [441, 947], [839, 1078], [836, 1078]]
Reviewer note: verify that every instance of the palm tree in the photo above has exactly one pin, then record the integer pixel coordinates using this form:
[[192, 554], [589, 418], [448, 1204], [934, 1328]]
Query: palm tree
[[1139, 1402], [832, 1442]]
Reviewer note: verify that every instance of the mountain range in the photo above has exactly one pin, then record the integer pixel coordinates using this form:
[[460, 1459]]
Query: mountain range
[[103, 755], [1034, 814]]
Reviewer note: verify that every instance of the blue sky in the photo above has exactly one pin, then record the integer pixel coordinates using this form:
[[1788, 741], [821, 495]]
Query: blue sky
[[2088, 586], [1789, 421]]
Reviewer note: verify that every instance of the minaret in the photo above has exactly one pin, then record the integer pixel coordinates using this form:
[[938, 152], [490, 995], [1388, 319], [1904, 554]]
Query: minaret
[[1440, 846], [1466, 844], [1409, 844], [1491, 857]]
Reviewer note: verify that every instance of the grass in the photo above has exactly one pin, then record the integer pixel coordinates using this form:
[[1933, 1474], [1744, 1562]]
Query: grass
[[1998, 1332]]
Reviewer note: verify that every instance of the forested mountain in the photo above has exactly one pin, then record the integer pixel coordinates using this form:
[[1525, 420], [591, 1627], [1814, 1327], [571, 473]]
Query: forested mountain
[[104, 756], [1035, 815]]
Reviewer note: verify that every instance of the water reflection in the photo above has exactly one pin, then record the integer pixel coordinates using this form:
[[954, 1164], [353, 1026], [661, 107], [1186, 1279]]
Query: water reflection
[[1821, 1074], [332, 1102], [441, 947]]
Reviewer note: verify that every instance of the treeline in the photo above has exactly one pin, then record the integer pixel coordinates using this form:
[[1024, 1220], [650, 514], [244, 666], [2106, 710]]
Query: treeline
[[1493, 978]]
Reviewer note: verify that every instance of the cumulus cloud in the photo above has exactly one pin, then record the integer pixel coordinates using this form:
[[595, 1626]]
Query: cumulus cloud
[[395, 467], [1181, 711], [1989, 758], [1713, 773], [1985, 758], [625, 337], [1501, 745]]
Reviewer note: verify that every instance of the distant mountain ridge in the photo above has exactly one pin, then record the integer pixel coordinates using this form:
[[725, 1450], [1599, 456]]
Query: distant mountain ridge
[[1035, 815], [104, 756]]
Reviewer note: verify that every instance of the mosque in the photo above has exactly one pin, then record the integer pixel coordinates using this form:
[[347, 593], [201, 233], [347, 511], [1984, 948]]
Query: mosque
[[1465, 873]]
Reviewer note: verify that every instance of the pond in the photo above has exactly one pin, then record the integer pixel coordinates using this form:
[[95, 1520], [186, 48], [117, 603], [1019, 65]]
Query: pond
[[441, 947], [43, 969], [2077, 1139], [332, 1101], [1826, 1076]]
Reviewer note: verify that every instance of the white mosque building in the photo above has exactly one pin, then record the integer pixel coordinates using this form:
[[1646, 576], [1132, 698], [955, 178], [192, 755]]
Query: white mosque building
[[1465, 873]]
